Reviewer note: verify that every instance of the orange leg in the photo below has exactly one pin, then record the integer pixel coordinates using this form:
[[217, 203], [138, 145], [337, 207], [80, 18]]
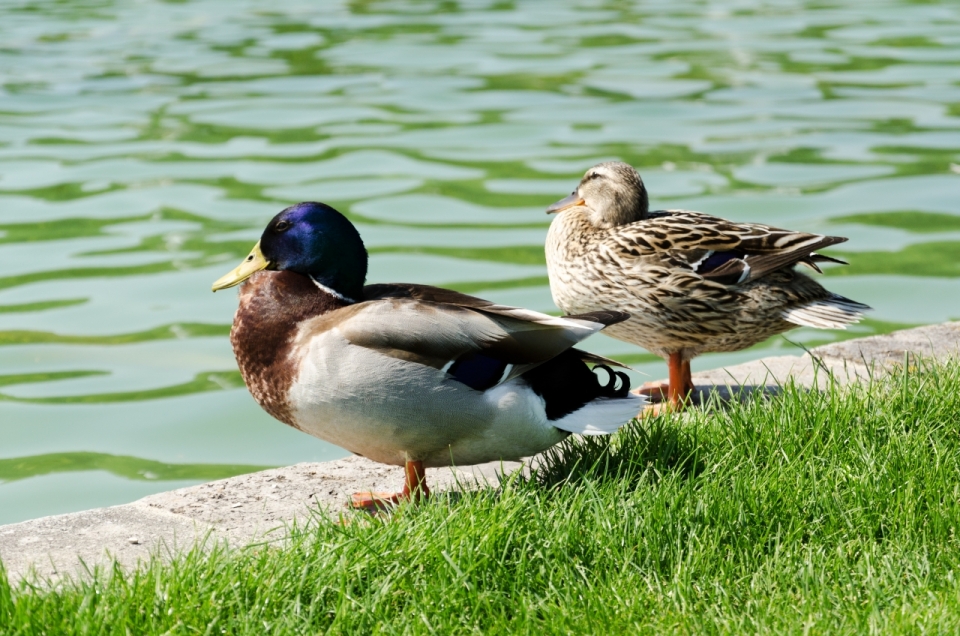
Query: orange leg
[[414, 489], [688, 386], [415, 484], [677, 385], [675, 394]]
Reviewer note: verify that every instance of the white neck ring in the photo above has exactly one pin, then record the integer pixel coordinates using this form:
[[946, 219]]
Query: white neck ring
[[332, 292]]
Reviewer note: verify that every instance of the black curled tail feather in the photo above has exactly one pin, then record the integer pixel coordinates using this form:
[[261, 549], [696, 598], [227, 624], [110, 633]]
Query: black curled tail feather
[[610, 389], [567, 384]]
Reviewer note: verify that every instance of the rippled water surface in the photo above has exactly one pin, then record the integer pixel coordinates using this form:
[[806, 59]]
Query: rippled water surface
[[143, 146]]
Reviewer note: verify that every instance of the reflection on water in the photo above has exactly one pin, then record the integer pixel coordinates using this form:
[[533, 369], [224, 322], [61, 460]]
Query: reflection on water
[[130, 467], [143, 146]]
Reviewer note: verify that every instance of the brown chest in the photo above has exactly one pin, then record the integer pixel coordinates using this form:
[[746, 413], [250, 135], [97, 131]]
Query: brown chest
[[268, 377], [272, 306]]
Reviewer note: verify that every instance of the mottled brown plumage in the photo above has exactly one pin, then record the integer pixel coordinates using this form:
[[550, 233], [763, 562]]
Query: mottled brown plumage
[[692, 283]]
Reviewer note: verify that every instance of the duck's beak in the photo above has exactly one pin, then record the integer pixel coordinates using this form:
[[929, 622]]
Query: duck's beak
[[253, 263], [566, 202]]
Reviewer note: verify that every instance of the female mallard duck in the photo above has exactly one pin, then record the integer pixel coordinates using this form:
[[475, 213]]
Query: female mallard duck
[[692, 283], [410, 375]]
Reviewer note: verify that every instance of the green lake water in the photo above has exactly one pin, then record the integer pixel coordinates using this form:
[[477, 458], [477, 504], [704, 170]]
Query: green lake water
[[144, 145]]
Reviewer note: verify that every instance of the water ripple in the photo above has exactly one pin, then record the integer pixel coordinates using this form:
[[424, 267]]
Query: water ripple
[[143, 146]]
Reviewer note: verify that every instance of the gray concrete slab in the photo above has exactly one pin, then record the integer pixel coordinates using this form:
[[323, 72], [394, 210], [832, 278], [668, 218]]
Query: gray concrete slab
[[770, 374], [843, 362], [239, 510], [933, 341], [66, 544], [260, 506]]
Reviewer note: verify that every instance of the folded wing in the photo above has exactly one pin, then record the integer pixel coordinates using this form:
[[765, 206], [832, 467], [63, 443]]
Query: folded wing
[[722, 251], [480, 343]]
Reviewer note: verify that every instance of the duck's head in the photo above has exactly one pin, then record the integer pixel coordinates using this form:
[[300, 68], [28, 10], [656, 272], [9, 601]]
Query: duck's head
[[610, 194], [311, 239]]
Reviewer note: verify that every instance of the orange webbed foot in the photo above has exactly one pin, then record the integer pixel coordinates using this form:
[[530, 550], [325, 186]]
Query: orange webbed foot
[[375, 501], [654, 391], [414, 488], [657, 408]]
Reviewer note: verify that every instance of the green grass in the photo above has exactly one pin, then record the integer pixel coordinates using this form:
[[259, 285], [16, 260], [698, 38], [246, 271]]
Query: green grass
[[824, 513]]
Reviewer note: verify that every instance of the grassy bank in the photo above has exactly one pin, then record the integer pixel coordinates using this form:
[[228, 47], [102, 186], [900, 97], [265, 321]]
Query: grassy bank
[[834, 512]]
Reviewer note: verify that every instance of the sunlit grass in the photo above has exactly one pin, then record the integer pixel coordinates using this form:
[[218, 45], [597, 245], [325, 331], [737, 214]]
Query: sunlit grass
[[831, 512]]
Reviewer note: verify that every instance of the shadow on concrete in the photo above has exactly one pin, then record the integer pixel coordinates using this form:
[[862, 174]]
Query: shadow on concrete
[[705, 394]]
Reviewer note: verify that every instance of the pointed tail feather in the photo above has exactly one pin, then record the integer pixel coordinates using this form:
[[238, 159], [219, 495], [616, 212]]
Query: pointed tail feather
[[813, 259], [605, 317], [834, 312], [602, 416]]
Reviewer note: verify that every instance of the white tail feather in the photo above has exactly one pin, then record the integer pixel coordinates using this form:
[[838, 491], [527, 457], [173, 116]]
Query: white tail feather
[[835, 312], [602, 416]]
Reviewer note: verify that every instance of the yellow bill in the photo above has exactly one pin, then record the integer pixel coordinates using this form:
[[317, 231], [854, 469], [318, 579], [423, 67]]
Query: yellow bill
[[253, 263]]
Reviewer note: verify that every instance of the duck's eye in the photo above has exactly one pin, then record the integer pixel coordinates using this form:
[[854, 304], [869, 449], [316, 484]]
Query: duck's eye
[[282, 226], [592, 176]]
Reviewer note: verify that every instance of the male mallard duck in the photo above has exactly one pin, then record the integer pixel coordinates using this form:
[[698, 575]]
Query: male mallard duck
[[410, 375], [692, 283]]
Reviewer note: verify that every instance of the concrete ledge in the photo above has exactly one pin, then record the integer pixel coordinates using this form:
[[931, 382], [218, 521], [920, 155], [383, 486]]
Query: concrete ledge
[[238, 510], [847, 361], [259, 506]]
